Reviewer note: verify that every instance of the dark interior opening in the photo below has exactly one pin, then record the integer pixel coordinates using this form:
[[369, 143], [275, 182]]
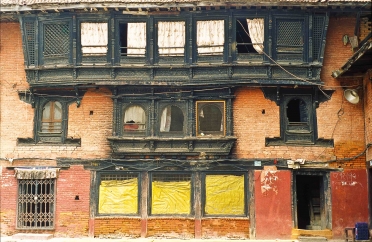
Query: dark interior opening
[[297, 111], [123, 38], [308, 201], [243, 41], [177, 119]]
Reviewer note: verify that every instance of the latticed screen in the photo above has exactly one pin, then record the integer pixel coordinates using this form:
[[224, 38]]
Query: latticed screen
[[36, 201], [317, 35], [56, 40], [30, 40], [290, 36]]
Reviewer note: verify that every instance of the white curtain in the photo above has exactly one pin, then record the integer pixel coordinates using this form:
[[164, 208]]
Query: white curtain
[[136, 38], [134, 114], [210, 33], [171, 34], [165, 120], [94, 38], [256, 32]]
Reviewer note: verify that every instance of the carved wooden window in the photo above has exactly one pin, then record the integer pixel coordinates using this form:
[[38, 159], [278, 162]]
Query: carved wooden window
[[171, 38], [132, 39], [298, 124], [51, 121], [290, 39], [210, 37], [172, 120], [134, 119], [94, 38], [249, 38], [210, 118]]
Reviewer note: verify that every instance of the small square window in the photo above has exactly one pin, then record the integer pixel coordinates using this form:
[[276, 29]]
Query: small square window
[[210, 118]]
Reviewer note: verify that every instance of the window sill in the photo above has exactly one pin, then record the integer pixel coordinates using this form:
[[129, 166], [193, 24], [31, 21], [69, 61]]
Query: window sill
[[280, 142], [32, 142]]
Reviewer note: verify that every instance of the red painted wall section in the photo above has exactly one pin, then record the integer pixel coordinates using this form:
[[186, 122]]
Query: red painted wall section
[[349, 199], [273, 204]]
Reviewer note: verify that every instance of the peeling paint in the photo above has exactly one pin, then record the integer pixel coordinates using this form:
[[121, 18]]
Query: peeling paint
[[269, 179]]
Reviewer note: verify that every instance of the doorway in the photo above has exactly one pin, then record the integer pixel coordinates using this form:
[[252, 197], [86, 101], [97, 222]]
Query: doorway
[[309, 199]]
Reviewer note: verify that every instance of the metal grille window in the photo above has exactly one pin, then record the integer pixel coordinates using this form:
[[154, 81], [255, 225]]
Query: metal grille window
[[30, 40], [36, 202], [56, 40], [171, 194], [118, 194], [318, 27]]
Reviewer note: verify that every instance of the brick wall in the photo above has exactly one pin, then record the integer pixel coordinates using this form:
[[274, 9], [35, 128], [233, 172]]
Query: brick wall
[[336, 118], [72, 203], [232, 228], [171, 227], [367, 85], [8, 201], [92, 121], [117, 226]]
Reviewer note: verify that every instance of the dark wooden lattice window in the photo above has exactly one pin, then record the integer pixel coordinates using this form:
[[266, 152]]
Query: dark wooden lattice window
[[298, 123], [52, 118], [318, 28], [36, 203], [30, 40], [56, 42], [290, 40]]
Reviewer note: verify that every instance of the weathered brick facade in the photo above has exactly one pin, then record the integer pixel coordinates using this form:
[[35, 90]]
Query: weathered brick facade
[[254, 118]]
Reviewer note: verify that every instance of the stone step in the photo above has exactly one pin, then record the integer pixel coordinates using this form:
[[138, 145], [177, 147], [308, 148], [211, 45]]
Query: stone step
[[29, 236]]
